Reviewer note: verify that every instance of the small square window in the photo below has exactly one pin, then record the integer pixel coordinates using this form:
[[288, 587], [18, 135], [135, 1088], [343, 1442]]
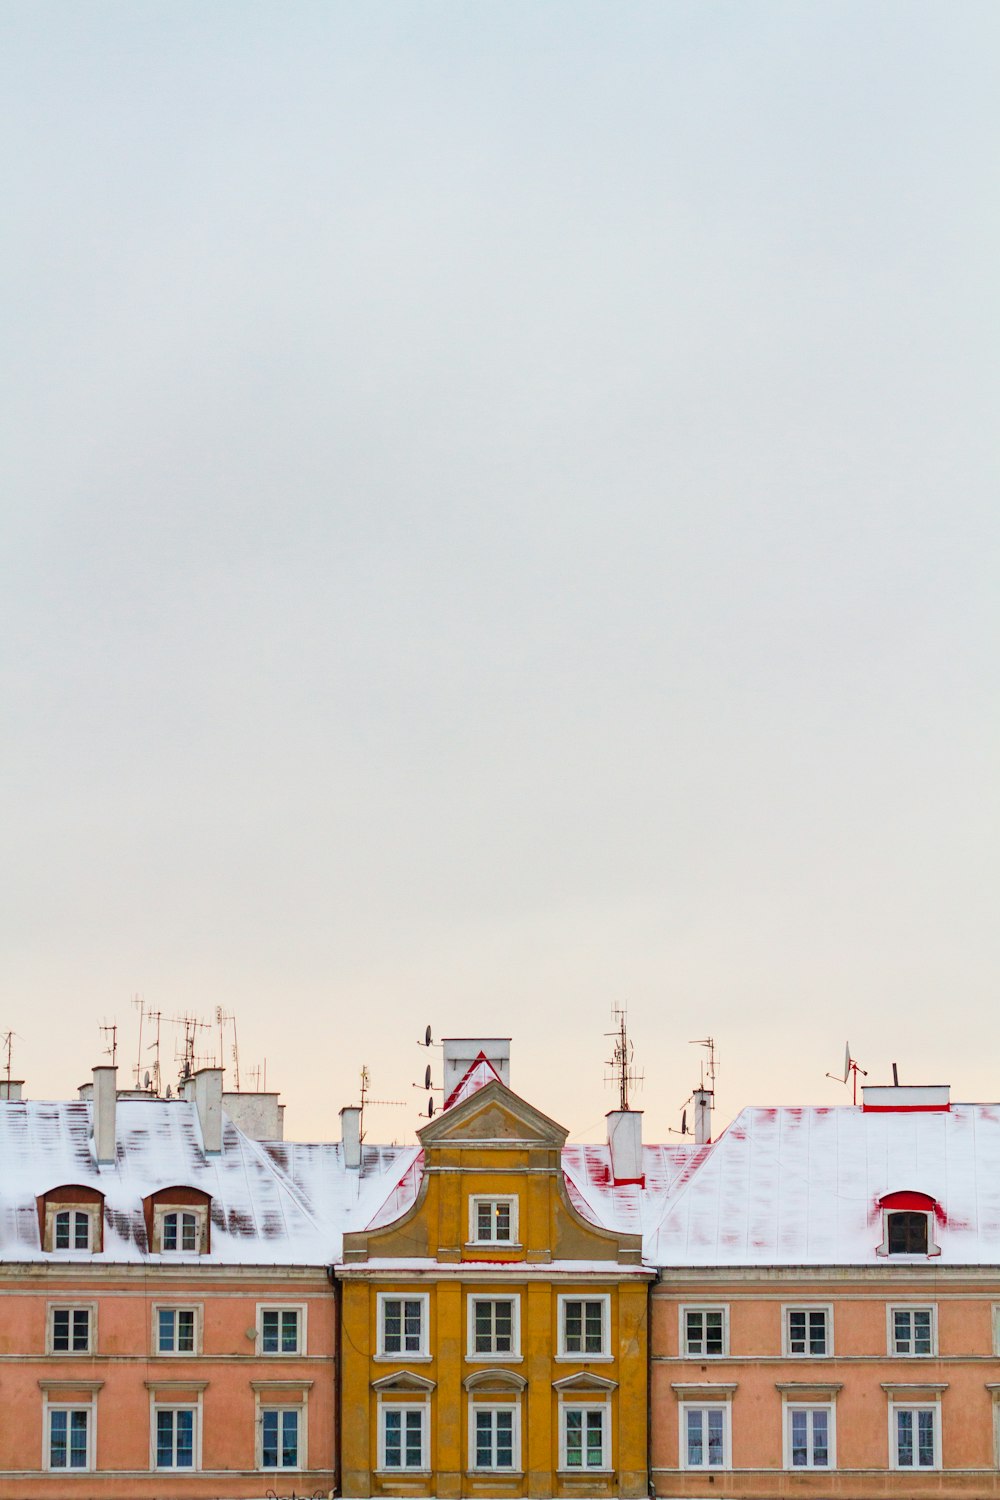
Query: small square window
[[176, 1330], [493, 1221], [402, 1325], [704, 1331], [907, 1233], [281, 1330], [494, 1328], [583, 1326], [912, 1331], [807, 1331], [71, 1330]]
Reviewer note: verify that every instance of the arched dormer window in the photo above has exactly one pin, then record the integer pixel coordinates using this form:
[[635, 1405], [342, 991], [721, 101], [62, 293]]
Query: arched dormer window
[[178, 1221], [908, 1224], [71, 1220]]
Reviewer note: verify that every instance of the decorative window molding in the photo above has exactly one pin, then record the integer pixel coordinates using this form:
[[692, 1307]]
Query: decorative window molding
[[807, 1331], [493, 1327], [402, 1325], [281, 1329], [911, 1330], [71, 1220], [494, 1380], [584, 1328], [704, 1330], [493, 1220], [178, 1221], [71, 1328], [177, 1328]]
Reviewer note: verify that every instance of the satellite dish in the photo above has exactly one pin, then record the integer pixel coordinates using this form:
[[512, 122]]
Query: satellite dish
[[427, 1076], [430, 1108], [684, 1122], [847, 1060], [145, 1081], [427, 1037], [169, 1091]]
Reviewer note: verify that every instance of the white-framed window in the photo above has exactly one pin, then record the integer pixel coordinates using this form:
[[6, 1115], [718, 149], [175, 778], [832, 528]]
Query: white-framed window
[[493, 1221], [72, 1228], [495, 1437], [402, 1326], [176, 1330], [908, 1232], [281, 1330], [808, 1331], [69, 1436], [912, 1330], [915, 1434], [72, 1330], [705, 1434], [584, 1327], [494, 1327], [281, 1434], [810, 1435], [402, 1436], [180, 1231], [584, 1435], [175, 1437], [705, 1331]]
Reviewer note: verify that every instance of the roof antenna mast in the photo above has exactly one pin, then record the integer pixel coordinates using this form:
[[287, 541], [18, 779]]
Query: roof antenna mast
[[852, 1069], [621, 1063], [8, 1047]]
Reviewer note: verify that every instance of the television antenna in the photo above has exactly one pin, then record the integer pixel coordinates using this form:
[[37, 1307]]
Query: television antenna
[[621, 1065], [222, 1019], [851, 1070], [8, 1047], [366, 1079], [711, 1068], [150, 1076], [110, 1028]]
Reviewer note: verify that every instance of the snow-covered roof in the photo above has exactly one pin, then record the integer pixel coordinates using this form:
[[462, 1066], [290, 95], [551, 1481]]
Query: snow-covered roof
[[801, 1186], [258, 1216], [629, 1208]]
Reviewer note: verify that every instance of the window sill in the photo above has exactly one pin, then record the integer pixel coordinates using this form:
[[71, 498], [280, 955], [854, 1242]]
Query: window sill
[[402, 1359], [494, 1359], [582, 1473], [403, 1473], [583, 1359], [492, 1245], [494, 1473]]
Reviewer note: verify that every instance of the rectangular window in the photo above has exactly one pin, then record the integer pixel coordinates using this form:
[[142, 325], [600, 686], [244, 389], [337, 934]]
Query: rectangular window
[[584, 1437], [705, 1436], [280, 1330], [175, 1330], [175, 1429], [915, 1435], [72, 1229], [494, 1327], [71, 1330], [69, 1437], [492, 1221], [494, 1436], [807, 1331], [704, 1330], [911, 1330], [808, 1437], [279, 1437], [583, 1326], [403, 1437], [402, 1325]]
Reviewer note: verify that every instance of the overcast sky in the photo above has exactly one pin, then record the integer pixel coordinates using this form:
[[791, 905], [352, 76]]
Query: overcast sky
[[500, 519]]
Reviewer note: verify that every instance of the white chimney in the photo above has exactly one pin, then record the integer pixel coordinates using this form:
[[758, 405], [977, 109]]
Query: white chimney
[[105, 1097], [350, 1135], [206, 1088], [703, 1116], [259, 1116], [10, 1089], [460, 1052], [625, 1142]]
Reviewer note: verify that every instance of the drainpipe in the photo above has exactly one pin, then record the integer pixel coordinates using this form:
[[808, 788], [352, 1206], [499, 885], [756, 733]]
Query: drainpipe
[[650, 1484], [338, 1354]]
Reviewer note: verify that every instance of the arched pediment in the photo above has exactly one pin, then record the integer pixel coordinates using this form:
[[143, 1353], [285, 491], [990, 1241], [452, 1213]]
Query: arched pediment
[[495, 1380]]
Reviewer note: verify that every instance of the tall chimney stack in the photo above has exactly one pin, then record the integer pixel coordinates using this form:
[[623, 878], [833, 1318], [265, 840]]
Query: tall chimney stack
[[625, 1143], [105, 1099], [703, 1116], [206, 1089], [350, 1135]]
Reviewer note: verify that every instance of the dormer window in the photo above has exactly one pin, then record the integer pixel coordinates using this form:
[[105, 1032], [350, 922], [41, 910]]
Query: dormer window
[[71, 1220], [908, 1221], [178, 1221]]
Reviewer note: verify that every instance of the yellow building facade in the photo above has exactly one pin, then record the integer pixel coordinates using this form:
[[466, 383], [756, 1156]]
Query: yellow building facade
[[494, 1341]]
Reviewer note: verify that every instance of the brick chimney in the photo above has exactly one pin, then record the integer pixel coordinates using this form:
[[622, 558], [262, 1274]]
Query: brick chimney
[[206, 1090], [105, 1097]]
